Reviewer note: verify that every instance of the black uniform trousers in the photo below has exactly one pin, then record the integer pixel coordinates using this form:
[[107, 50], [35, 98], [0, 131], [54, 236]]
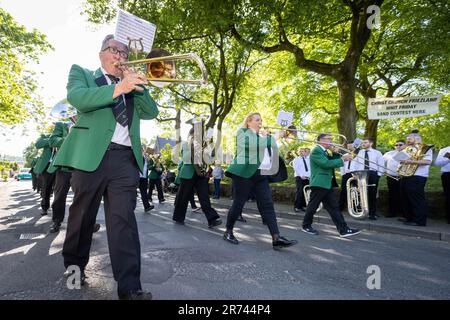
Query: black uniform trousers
[[445, 177], [116, 180], [47, 186], [185, 194], [300, 201], [372, 192], [62, 186], [394, 197], [343, 195], [413, 197], [143, 186], [263, 194], [327, 197], [152, 184]]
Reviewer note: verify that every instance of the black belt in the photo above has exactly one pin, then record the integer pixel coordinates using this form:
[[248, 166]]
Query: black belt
[[116, 146]]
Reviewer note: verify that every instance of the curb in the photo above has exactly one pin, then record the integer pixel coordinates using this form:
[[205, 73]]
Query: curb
[[410, 232]]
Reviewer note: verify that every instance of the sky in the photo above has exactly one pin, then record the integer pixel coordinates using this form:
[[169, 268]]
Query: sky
[[75, 40]]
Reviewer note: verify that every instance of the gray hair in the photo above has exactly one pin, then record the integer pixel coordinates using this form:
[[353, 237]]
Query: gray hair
[[106, 41]]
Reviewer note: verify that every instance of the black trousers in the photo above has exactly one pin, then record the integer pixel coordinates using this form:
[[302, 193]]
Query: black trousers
[[445, 177], [62, 186], [300, 201], [116, 180], [33, 179], [394, 197], [152, 184], [186, 193], [47, 185], [263, 194], [413, 196], [327, 197], [372, 192], [343, 195], [143, 186]]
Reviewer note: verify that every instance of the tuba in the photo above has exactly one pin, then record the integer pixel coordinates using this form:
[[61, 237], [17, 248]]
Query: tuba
[[415, 152], [357, 196], [199, 143]]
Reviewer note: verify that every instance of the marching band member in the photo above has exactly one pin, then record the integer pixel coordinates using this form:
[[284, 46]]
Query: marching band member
[[104, 149], [143, 182], [190, 180], [302, 172], [40, 169], [374, 162], [412, 187], [395, 207], [346, 173], [252, 159], [156, 169], [443, 160], [323, 163]]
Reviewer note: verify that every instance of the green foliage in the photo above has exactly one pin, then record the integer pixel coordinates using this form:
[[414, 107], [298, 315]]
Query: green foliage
[[18, 88], [166, 158], [29, 153]]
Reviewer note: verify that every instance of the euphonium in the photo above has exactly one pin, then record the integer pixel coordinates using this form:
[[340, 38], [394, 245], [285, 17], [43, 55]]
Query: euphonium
[[357, 197], [307, 194], [415, 152]]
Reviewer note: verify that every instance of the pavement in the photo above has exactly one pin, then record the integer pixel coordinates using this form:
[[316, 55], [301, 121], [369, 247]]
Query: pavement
[[192, 261]]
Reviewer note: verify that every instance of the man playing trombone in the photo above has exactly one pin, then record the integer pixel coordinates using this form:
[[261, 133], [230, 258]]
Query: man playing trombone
[[323, 162]]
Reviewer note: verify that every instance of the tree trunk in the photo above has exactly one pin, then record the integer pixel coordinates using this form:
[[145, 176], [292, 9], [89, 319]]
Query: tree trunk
[[348, 115], [371, 130]]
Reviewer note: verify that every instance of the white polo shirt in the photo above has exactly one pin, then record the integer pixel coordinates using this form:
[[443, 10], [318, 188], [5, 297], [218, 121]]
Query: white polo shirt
[[442, 161]]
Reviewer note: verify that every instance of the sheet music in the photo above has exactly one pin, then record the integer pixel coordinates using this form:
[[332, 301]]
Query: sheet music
[[129, 26], [400, 156]]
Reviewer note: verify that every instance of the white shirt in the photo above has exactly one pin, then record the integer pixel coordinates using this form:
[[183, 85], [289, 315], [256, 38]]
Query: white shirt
[[345, 169], [121, 134], [299, 167], [376, 161], [424, 170], [144, 172], [442, 161], [391, 164]]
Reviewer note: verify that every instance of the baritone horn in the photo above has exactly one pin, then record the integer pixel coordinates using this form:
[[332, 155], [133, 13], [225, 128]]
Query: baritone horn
[[159, 67], [357, 196]]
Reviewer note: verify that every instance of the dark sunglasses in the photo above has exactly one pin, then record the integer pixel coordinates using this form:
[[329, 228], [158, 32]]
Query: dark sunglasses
[[399, 144]]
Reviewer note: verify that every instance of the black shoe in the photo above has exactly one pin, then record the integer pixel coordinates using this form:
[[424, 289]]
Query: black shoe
[[373, 218], [136, 295], [96, 227], [403, 220], [301, 209], [227, 236], [178, 222], [264, 223], [282, 242], [310, 230], [55, 227], [241, 219], [163, 200], [349, 232], [44, 212], [214, 223], [149, 208]]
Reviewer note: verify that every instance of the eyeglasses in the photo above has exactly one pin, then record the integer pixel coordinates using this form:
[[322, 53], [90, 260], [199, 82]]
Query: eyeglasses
[[114, 50]]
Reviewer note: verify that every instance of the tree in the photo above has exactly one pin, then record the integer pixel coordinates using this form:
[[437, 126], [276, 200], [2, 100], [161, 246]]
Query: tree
[[18, 88], [29, 153]]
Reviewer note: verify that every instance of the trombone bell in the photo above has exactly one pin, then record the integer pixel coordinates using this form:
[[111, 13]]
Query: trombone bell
[[160, 68]]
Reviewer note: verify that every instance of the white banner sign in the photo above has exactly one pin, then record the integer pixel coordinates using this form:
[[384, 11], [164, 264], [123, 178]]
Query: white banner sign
[[403, 107], [129, 27]]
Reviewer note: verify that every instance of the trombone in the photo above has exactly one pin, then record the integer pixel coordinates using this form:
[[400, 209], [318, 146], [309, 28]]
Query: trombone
[[293, 134], [162, 68]]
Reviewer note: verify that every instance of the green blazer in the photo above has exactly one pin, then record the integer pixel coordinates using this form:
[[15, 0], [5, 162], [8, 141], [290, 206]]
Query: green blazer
[[322, 167], [33, 162], [249, 153], [56, 140], [88, 140], [44, 159], [154, 174]]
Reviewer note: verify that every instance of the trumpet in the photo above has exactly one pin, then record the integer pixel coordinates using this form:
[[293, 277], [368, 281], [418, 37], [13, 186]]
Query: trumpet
[[160, 67]]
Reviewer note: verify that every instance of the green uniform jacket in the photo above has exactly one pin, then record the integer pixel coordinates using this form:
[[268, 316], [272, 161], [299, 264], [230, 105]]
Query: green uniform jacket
[[42, 162], [33, 162], [249, 153], [154, 174], [322, 167], [88, 140], [177, 178], [56, 140]]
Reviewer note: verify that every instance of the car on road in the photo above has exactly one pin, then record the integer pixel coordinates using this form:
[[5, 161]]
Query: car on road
[[23, 174]]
